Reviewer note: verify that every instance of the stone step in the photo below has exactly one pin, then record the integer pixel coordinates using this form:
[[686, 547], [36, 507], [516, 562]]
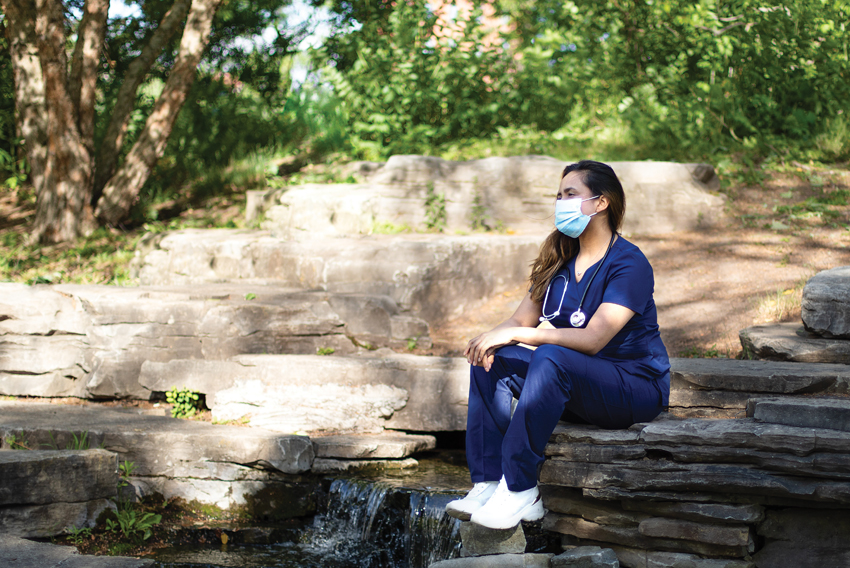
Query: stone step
[[90, 341], [720, 388], [304, 393], [214, 464], [17, 552], [44, 491], [828, 413], [387, 445], [791, 342], [516, 192], [431, 276]]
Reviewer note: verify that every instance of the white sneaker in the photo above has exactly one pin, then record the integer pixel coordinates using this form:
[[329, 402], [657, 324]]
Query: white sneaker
[[463, 508], [507, 508]]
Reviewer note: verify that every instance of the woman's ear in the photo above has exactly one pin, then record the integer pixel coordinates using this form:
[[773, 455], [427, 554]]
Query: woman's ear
[[602, 204]]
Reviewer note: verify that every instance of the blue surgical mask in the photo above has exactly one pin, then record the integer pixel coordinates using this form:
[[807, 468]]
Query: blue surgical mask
[[568, 216]]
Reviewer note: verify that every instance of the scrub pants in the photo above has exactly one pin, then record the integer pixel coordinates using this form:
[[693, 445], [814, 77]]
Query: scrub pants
[[551, 383]]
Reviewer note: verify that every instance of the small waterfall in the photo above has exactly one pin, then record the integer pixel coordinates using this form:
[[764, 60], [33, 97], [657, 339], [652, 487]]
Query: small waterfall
[[432, 534], [375, 525]]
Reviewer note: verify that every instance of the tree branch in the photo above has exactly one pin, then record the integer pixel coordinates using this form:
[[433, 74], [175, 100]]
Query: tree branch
[[125, 101], [123, 188], [84, 62]]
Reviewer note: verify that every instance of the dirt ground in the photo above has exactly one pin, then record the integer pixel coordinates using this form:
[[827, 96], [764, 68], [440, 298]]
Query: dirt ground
[[749, 269]]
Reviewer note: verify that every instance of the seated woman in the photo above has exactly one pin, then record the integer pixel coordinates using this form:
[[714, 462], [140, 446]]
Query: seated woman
[[603, 363]]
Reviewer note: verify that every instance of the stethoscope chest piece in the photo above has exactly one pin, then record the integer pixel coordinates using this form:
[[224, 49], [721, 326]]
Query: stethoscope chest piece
[[577, 318]]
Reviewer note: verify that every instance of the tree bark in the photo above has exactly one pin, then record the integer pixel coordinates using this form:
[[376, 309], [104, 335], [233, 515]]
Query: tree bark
[[123, 188], [63, 209], [84, 63], [30, 109], [110, 148]]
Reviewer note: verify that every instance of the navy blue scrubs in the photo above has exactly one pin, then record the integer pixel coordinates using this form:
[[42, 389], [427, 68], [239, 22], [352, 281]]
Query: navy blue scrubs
[[628, 381]]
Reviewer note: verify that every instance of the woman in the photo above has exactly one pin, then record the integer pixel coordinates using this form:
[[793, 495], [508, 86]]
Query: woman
[[603, 363]]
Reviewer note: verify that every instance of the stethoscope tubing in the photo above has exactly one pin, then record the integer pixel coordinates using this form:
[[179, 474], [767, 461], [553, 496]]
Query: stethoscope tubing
[[557, 312]]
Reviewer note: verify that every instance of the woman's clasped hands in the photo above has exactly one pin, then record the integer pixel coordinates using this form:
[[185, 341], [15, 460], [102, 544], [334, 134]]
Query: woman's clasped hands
[[479, 351]]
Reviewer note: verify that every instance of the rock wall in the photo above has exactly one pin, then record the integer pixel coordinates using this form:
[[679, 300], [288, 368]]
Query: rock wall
[[756, 491], [43, 492], [516, 192], [91, 341], [428, 276]]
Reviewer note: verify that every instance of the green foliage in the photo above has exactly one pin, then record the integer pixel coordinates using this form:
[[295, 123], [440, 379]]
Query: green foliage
[[185, 402], [79, 535], [81, 443], [125, 470], [133, 525], [478, 214], [16, 442], [389, 228], [411, 343], [698, 353], [325, 351], [435, 209], [250, 296]]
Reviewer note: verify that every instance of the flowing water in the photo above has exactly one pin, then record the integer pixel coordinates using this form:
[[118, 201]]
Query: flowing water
[[393, 521]]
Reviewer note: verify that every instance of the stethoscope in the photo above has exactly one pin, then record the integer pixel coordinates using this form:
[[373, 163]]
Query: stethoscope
[[577, 318]]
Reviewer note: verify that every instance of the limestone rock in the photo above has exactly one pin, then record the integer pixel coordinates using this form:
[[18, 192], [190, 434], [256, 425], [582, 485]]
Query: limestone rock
[[428, 276], [75, 476], [387, 446], [497, 561], [632, 537], [726, 535], [637, 558], [715, 512], [44, 521], [157, 445], [97, 351], [663, 196], [481, 541], [826, 303], [17, 552], [756, 376], [572, 502], [804, 538], [437, 388], [323, 466], [791, 342], [329, 407], [825, 413], [586, 557]]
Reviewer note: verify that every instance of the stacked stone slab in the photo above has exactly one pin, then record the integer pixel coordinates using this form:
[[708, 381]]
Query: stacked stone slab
[[430, 276], [348, 394], [515, 192], [768, 491], [242, 470], [44, 492], [91, 341], [17, 552], [824, 336], [721, 388]]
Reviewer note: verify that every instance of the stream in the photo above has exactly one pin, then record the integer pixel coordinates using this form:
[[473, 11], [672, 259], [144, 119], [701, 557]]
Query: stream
[[390, 520]]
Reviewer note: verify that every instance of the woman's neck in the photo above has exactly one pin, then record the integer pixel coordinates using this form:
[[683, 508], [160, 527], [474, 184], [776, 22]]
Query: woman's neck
[[594, 240]]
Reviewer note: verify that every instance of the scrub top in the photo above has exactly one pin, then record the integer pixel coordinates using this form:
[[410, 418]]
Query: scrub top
[[625, 278]]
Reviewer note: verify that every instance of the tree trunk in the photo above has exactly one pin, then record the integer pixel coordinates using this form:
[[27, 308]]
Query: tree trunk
[[63, 209], [123, 188], [110, 148], [30, 109], [84, 64]]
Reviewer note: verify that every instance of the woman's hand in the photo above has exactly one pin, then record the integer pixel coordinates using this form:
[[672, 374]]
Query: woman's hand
[[479, 351]]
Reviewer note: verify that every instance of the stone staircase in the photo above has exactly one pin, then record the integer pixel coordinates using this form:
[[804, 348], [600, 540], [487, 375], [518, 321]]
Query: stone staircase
[[747, 470]]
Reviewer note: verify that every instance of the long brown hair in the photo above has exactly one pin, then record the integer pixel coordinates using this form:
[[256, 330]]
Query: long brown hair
[[558, 248]]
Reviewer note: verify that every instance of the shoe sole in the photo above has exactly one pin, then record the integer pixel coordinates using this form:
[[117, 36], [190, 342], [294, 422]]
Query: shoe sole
[[533, 512], [460, 515]]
